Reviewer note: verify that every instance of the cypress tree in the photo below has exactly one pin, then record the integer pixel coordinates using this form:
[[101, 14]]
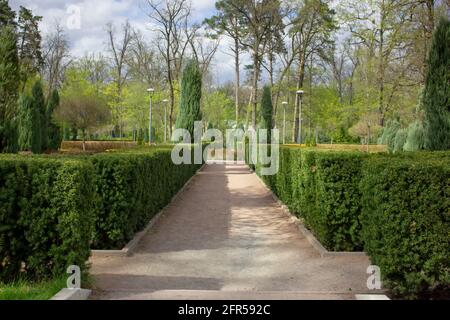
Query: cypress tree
[[191, 95], [267, 111], [436, 99], [9, 87], [28, 118], [40, 130], [54, 131]]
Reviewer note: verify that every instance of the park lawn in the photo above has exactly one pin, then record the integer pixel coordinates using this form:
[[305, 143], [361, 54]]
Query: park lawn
[[26, 290]]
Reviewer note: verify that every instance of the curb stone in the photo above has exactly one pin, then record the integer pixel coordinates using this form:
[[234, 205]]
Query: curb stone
[[72, 294]]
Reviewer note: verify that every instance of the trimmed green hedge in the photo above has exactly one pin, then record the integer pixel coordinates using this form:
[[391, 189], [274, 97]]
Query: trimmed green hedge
[[406, 222], [46, 216], [323, 189], [133, 187], [396, 207], [53, 210]]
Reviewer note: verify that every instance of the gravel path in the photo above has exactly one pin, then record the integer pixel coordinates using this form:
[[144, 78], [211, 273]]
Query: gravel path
[[225, 237]]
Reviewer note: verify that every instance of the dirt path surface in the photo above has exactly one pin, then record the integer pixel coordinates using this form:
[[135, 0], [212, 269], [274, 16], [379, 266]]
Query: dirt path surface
[[225, 237]]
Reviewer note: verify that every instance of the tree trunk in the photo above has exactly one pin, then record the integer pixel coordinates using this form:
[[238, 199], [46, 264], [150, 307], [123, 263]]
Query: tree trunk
[[84, 140], [300, 80], [238, 78], [381, 70], [255, 87]]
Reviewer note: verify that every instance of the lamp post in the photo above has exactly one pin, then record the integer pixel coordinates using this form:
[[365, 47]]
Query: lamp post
[[150, 137], [300, 103], [285, 104], [165, 101]]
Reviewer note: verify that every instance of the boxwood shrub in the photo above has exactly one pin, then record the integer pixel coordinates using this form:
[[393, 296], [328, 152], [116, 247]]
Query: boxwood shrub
[[406, 222], [53, 210], [132, 188], [396, 207], [46, 216], [323, 189]]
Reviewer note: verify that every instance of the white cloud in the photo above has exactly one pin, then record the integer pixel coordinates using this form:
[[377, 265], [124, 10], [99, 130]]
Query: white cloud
[[92, 37]]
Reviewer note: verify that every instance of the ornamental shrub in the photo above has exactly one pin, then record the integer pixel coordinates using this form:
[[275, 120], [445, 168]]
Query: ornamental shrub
[[46, 216], [436, 97], [132, 188], [406, 222]]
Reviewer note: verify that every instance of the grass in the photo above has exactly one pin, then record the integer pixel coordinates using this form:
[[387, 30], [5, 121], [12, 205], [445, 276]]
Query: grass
[[25, 290]]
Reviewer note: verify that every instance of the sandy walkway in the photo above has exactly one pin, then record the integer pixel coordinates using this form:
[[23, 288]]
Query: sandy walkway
[[225, 237]]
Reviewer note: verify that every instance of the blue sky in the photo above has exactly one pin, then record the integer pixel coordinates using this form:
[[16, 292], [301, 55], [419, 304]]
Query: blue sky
[[91, 37]]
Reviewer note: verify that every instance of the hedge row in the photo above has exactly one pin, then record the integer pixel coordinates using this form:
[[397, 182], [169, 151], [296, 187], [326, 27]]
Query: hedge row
[[133, 187], [323, 188], [54, 210], [397, 208], [406, 223], [46, 216]]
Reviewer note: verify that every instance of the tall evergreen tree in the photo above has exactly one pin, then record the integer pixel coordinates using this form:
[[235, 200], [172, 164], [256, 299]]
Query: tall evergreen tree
[[436, 100], [267, 110], [30, 52], [28, 121], [7, 15], [39, 106], [9, 80], [54, 131], [191, 95]]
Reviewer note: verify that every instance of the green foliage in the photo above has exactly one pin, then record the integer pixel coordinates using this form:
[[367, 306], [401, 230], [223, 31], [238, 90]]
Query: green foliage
[[46, 216], [9, 84], [53, 129], [266, 110], [406, 222], [395, 206], [30, 52], [7, 15], [400, 140], [191, 94], [415, 140], [389, 133], [28, 124], [436, 98], [133, 187], [9, 136], [40, 131], [323, 189]]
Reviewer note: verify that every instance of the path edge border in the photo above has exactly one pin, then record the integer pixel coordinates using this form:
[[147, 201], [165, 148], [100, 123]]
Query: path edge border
[[72, 294], [324, 253], [131, 246]]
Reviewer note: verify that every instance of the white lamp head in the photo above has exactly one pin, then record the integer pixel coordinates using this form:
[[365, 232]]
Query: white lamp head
[[284, 103], [151, 90], [300, 92]]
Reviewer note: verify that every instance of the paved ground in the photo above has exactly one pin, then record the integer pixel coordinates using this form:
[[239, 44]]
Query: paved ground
[[225, 237]]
